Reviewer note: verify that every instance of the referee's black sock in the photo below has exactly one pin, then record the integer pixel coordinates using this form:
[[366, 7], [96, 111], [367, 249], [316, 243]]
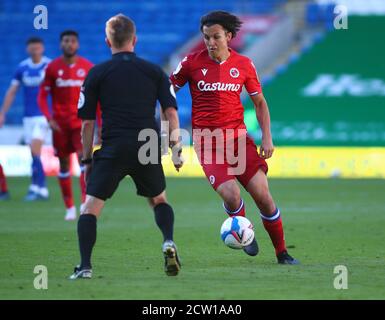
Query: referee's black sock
[[87, 238], [164, 217]]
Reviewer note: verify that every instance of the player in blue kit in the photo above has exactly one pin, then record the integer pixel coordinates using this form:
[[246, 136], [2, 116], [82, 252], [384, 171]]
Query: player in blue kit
[[29, 74]]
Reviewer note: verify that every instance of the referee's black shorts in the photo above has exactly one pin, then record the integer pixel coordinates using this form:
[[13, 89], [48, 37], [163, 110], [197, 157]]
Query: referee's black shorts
[[107, 172]]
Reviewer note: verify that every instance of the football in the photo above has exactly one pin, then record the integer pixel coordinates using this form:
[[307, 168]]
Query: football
[[237, 232]]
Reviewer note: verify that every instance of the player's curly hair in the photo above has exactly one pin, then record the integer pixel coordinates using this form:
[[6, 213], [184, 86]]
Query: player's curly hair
[[228, 21]]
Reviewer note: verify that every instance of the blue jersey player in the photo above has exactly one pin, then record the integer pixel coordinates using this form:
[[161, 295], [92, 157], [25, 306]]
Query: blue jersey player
[[29, 75]]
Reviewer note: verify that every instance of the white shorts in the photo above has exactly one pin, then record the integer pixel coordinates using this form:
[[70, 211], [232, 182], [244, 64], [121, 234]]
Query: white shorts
[[35, 128]]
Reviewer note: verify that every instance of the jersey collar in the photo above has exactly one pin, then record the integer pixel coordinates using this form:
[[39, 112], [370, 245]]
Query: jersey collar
[[222, 62], [126, 55], [72, 64], [36, 65]]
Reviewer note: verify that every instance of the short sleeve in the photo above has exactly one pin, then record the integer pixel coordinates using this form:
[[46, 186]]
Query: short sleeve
[[48, 81], [88, 97], [17, 76], [252, 83], [166, 93], [181, 74]]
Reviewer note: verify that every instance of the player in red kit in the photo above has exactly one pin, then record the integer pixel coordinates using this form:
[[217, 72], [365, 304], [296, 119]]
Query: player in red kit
[[216, 77], [63, 78]]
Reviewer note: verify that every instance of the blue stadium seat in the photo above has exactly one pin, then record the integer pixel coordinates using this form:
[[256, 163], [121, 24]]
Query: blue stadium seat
[[320, 14], [312, 13]]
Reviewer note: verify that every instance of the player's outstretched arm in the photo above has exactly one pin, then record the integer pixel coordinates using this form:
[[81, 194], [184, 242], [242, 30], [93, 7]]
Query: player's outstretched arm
[[7, 102], [263, 117]]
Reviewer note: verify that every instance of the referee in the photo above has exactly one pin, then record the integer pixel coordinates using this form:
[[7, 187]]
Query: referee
[[127, 88]]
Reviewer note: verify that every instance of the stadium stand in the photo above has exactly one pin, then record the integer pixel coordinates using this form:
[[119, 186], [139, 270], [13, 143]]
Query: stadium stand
[[342, 105], [163, 27], [317, 14]]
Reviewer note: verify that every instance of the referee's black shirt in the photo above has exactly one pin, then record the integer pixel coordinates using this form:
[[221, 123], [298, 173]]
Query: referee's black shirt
[[127, 88]]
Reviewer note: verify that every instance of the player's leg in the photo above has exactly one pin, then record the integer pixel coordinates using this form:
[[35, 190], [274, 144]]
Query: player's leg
[[65, 182], [164, 215], [164, 218], [63, 150], [39, 133], [150, 183], [254, 180], [234, 206], [227, 188], [101, 185], [87, 226], [259, 191], [87, 229], [225, 185], [4, 194], [271, 217], [28, 124], [231, 195], [38, 189], [212, 160]]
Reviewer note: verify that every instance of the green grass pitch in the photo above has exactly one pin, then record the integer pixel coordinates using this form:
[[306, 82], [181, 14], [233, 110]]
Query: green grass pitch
[[327, 223]]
